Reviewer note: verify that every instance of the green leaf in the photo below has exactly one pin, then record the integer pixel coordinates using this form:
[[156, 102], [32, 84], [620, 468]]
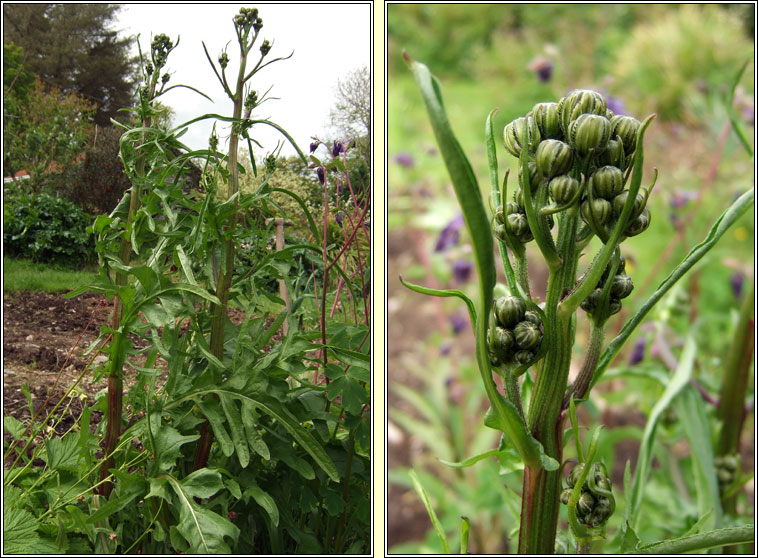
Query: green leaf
[[444, 294], [203, 529], [305, 439], [264, 500], [215, 417], [352, 358], [472, 460], [234, 420], [62, 454], [429, 510], [253, 436], [692, 415], [502, 415], [722, 224], [128, 487], [703, 541], [14, 427], [678, 380], [353, 394], [168, 442], [20, 533]]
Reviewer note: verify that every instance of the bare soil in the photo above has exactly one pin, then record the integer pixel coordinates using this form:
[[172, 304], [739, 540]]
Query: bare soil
[[45, 337]]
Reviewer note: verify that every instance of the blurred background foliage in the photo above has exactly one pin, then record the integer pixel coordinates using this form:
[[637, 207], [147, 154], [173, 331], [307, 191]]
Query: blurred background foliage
[[678, 61]]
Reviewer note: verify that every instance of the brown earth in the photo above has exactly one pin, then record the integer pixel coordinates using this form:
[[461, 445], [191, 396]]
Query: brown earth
[[45, 337]]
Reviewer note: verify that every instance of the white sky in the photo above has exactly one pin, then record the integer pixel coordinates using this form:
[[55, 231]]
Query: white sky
[[328, 40]]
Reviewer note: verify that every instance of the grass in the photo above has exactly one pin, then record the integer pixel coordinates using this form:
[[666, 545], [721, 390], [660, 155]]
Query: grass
[[25, 275]]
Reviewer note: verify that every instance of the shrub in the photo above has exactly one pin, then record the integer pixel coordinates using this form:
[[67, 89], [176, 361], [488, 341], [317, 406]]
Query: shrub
[[704, 47], [98, 182], [46, 229]]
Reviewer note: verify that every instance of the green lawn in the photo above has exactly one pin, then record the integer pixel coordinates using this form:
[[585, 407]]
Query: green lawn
[[24, 275]]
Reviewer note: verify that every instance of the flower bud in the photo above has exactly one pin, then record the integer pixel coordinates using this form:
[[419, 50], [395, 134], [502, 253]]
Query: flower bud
[[620, 200], [586, 504], [638, 225], [574, 475], [589, 131], [509, 310], [626, 128], [614, 306], [519, 226], [546, 117], [600, 513], [622, 286], [500, 214], [613, 154], [589, 304], [512, 207], [518, 198], [527, 335], [728, 462], [534, 177], [607, 182], [524, 357], [554, 158], [578, 102], [601, 210], [533, 317], [502, 341], [563, 188], [565, 495], [522, 131], [499, 232]]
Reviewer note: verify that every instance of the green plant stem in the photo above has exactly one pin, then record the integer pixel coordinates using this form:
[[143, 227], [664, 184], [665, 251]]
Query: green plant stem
[[540, 498], [118, 348], [583, 379], [731, 409], [584, 546], [224, 282]]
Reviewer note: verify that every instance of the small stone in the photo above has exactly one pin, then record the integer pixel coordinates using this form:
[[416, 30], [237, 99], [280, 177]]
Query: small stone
[[30, 337]]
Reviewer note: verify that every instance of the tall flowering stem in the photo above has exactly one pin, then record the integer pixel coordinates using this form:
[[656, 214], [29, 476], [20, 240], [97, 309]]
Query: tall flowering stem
[[580, 168], [160, 48]]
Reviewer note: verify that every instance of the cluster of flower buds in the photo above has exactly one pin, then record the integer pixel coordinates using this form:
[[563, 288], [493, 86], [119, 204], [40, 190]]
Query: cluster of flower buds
[[159, 49], [248, 18], [596, 503], [515, 333], [726, 470], [621, 287], [581, 153]]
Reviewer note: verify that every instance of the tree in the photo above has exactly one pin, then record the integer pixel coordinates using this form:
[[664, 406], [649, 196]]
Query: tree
[[46, 133], [351, 115], [70, 47]]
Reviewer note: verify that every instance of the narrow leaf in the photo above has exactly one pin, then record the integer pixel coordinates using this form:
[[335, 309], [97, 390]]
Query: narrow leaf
[[430, 510]]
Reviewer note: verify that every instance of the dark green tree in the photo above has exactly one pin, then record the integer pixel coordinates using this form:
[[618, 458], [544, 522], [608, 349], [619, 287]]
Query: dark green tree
[[73, 47]]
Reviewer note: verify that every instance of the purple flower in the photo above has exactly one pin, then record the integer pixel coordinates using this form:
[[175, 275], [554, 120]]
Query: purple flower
[[338, 218], [445, 349], [615, 105], [736, 282], [638, 352], [314, 145], [404, 160], [542, 67], [320, 174], [681, 198], [462, 270], [748, 114], [458, 323], [449, 235], [337, 149]]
